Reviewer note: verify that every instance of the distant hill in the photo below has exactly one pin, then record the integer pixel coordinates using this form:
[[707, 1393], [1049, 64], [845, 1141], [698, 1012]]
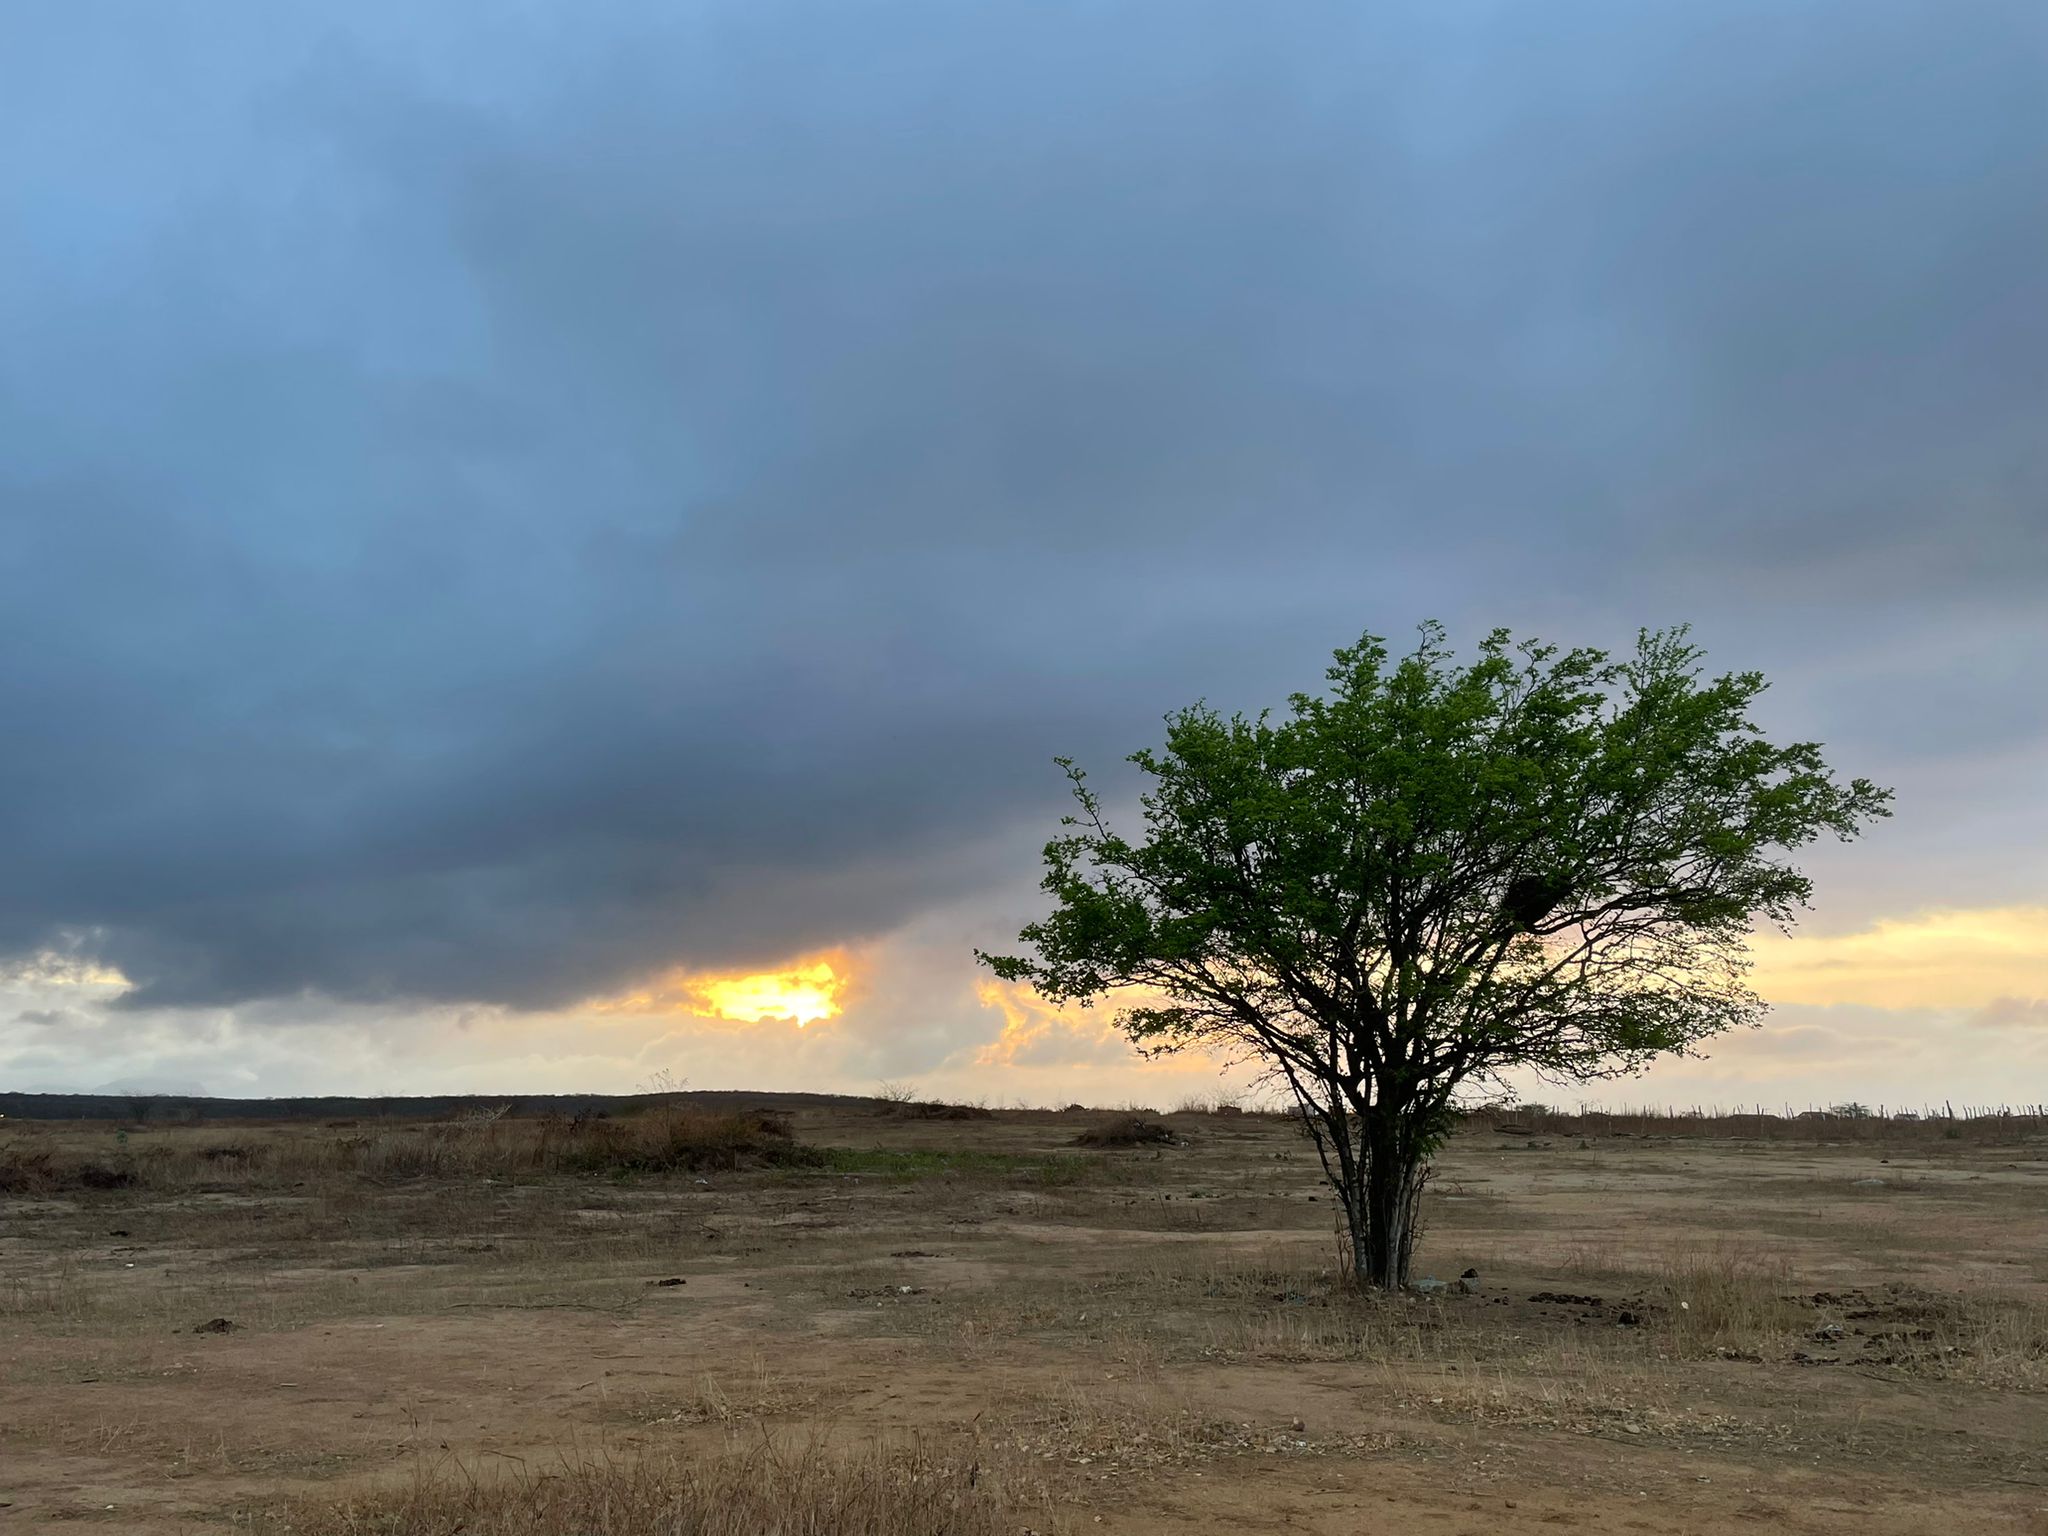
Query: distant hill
[[146, 1089], [185, 1109]]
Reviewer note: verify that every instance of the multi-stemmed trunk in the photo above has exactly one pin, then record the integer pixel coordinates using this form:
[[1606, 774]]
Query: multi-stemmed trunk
[[1379, 1179], [1394, 1177]]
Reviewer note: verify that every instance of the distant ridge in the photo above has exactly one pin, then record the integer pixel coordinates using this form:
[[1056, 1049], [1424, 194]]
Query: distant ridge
[[174, 1108]]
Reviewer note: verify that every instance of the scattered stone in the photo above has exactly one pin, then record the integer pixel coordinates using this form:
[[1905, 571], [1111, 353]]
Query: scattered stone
[[912, 1253], [1466, 1287], [1629, 1319], [1832, 1333], [1566, 1299], [118, 1232], [1470, 1274], [671, 1280], [217, 1325]]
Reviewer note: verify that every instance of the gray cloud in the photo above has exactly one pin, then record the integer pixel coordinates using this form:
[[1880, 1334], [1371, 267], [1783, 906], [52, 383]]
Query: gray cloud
[[493, 509], [2012, 1013]]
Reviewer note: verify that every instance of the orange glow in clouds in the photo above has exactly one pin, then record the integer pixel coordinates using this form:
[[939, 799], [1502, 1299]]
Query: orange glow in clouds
[[806, 994], [801, 993]]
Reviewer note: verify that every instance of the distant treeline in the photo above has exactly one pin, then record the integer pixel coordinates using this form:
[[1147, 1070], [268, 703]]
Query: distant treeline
[[181, 1109]]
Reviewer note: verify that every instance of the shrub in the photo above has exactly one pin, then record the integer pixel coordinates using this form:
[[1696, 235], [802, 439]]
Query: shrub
[[925, 1109], [1130, 1131], [35, 1171], [685, 1142]]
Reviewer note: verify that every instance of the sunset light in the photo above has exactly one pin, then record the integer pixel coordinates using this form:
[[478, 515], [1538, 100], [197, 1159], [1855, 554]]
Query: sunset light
[[802, 993], [926, 769], [806, 994], [1942, 959]]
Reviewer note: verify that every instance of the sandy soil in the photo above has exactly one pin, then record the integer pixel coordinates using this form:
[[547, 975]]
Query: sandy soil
[[1753, 1335]]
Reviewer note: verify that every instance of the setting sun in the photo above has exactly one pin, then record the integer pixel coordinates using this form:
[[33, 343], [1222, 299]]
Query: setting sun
[[801, 993], [806, 994]]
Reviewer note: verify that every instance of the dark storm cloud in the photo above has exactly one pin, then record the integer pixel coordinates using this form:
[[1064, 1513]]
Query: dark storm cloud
[[495, 503]]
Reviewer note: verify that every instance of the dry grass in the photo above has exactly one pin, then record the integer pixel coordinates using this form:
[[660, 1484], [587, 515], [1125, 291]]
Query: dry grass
[[1285, 1305], [1698, 1299], [1729, 1302], [1159, 1317], [1933, 1126], [1114, 1431], [731, 1399], [663, 1140], [795, 1488], [1612, 1338]]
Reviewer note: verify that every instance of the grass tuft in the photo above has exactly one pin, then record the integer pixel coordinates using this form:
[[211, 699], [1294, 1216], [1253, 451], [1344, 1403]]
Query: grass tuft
[[799, 1489]]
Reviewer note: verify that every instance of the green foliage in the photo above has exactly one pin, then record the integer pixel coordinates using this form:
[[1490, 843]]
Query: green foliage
[[1434, 872], [1545, 858]]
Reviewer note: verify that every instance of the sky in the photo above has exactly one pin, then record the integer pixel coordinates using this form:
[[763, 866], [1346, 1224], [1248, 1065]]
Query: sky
[[544, 546]]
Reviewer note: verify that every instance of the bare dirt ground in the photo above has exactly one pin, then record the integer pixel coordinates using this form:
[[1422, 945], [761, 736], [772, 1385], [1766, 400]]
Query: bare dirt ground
[[1667, 1334]]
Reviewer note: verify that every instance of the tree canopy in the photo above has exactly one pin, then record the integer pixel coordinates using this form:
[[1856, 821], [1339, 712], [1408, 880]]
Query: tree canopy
[[1433, 872]]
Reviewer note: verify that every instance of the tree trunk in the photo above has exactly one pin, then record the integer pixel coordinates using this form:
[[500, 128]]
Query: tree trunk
[[1382, 1206], [1393, 1199]]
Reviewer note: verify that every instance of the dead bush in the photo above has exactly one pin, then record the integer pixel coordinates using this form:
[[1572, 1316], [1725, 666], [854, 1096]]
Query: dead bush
[[1128, 1131], [36, 1171], [928, 1110], [25, 1171]]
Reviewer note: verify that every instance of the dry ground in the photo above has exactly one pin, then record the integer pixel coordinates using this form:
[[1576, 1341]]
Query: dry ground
[[1667, 1334]]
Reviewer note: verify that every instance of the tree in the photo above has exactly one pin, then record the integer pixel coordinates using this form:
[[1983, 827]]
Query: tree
[[1433, 873]]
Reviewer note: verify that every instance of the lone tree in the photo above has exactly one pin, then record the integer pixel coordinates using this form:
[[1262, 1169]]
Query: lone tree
[[1433, 873]]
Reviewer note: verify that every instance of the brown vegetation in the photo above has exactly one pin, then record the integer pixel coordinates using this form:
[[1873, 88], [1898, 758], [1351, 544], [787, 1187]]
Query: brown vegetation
[[553, 1324], [800, 1489], [1127, 1131], [1996, 1126], [669, 1140]]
